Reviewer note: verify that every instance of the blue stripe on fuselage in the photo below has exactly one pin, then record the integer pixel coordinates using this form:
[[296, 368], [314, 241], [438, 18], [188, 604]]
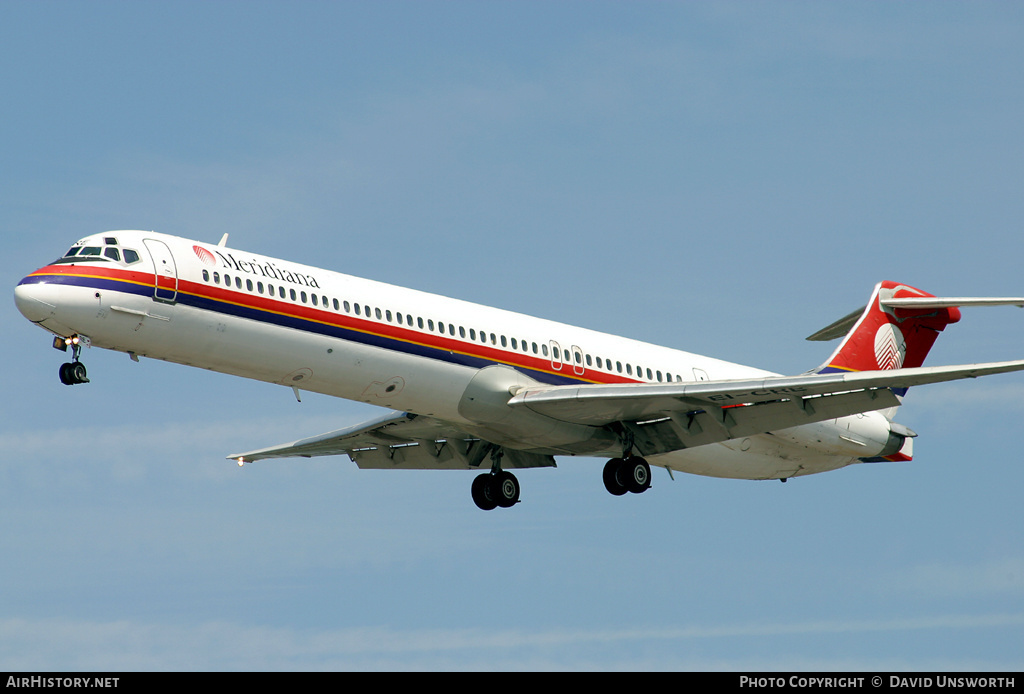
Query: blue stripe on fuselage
[[293, 322]]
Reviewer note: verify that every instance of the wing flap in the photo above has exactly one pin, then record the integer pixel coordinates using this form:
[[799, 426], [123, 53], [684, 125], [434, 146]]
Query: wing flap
[[400, 440], [713, 424], [598, 405]]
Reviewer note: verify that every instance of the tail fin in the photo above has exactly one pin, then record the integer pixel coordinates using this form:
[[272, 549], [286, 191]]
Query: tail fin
[[895, 330], [890, 332]]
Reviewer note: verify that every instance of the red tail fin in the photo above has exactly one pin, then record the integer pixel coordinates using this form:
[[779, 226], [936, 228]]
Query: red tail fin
[[887, 337]]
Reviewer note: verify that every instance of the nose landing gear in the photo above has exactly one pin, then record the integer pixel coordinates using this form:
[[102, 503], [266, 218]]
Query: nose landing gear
[[73, 372]]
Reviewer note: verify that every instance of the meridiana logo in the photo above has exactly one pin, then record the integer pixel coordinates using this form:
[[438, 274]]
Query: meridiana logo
[[890, 347], [204, 255]]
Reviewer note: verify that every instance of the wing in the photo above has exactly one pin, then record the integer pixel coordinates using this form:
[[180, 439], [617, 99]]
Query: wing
[[672, 416], [400, 440], [660, 417]]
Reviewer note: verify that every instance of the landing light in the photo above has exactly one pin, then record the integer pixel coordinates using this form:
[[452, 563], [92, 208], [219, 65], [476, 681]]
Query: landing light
[[241, 462]]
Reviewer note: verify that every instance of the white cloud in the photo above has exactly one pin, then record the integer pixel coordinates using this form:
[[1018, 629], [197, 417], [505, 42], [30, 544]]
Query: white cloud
[[126, 646]]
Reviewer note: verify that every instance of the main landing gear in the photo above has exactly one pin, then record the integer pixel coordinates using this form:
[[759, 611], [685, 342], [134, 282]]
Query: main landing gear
[[494, 489], [73, 372], [497, 487], [628, 474]]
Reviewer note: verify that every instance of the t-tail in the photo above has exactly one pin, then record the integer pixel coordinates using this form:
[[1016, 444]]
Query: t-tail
[[890, 332], [895, 330]]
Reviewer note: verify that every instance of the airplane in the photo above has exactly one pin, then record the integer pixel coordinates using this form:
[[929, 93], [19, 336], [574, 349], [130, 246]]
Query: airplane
[[471, 387]]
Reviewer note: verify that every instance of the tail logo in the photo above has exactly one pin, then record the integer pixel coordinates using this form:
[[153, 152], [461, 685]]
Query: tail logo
[[890, 347]]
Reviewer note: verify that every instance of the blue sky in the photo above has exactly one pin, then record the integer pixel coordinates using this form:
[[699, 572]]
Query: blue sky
[[725, 178]]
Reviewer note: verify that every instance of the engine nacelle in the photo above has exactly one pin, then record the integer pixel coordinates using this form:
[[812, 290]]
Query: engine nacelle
[[485, 405]]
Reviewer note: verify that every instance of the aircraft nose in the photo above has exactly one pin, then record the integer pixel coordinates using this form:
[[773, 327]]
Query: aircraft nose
[[36, 301]]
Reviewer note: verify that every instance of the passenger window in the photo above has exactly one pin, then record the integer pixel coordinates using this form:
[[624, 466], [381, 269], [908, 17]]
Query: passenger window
[[544, 349], [376, 312], [216, 278], [462, 332], [357, 310], [533, 345], [313, 297], [659, 377], [259, 287], [337, 306], [618, 366], [248, 285], [238, 282], [503, 343], [472, 334], [629, 369], [303, 297], [515, 345], [430, 324], [419, 322], [206, 275], [291, 293], [588, 361], [399, 317], [348, 307]]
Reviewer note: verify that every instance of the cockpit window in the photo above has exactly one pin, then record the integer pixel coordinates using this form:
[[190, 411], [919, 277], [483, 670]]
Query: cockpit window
[[105, 253], [110, 241]]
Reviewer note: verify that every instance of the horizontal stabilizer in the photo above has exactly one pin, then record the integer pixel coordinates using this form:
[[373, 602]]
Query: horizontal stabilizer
[[842, 327], [948, 302], [838, 329]]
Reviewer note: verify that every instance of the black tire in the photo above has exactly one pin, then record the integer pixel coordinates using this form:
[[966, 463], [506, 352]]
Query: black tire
[[612, 477], [482, 492], [505, 489], [78, 373], [636, 475], [65, 374]]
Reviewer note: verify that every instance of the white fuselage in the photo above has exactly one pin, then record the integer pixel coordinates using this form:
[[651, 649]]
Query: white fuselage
[[240, 313]]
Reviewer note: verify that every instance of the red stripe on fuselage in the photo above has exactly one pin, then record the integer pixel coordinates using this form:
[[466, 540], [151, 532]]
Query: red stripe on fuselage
[[341, 320]]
